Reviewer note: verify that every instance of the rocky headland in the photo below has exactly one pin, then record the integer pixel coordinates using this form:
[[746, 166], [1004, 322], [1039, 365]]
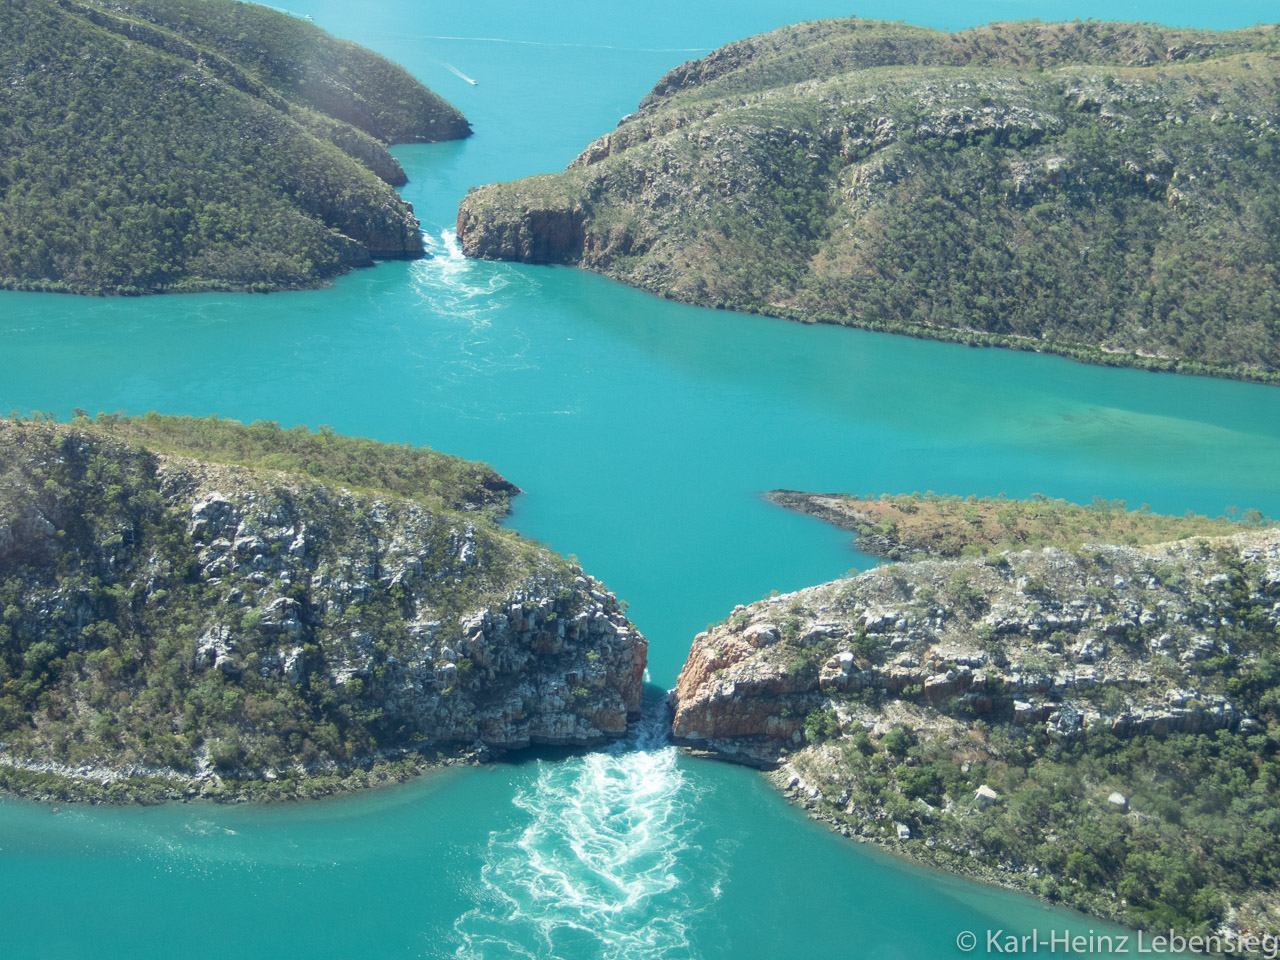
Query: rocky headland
[[161, 145], [1101, 190], [1068, 722], [177, 626]]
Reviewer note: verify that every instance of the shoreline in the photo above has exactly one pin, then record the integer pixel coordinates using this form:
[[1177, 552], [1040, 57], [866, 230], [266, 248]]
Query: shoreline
[[44, 782], [1095, 356], [1035, 774], [47, 782], [790, 784], [919, 853]]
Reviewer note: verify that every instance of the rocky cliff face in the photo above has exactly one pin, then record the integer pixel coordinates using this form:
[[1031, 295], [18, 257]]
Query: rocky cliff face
[[1119, 639], [206, 622], [1097, 727], [546, 659], [979, 186], [388, 231], [540, 234]]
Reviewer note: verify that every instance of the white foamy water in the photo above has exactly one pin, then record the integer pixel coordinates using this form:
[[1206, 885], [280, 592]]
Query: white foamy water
[[450, 284], [456, 72], [602, 867], [451, 333]]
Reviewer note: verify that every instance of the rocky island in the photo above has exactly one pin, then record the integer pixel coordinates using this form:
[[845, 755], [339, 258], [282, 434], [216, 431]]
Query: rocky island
[[1107, 191], [176, 145], [1097, 725], [203, 608]]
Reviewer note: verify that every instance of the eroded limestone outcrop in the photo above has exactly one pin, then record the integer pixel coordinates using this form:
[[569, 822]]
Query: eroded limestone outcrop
[[1123, 639], [1098, 727], [196, 624]]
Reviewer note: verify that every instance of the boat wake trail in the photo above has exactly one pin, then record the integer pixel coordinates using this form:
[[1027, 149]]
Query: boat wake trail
[[456, 72], [602, 869]]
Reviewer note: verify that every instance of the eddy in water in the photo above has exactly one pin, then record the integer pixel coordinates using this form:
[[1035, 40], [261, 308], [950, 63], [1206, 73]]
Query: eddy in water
[[604, 865]]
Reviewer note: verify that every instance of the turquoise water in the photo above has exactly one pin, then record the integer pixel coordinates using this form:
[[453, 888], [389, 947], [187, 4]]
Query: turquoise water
[[642, 433]]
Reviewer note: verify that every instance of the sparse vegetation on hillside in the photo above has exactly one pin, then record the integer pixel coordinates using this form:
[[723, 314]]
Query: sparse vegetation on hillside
[[1099, 726], [397, 469], [309, 66], [187, 601], [1192, 834], [146, 148], [913, 526], [1109, 192]]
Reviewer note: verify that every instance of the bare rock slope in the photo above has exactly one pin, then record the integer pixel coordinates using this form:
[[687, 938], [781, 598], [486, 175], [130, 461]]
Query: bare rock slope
[[1040, 638]]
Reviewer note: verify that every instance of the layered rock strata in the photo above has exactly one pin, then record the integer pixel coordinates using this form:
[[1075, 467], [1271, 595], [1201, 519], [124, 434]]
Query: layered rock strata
[[1120, 639], [192, 622]]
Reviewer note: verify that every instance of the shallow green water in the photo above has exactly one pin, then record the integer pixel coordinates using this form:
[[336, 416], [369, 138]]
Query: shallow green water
[[642, 432]]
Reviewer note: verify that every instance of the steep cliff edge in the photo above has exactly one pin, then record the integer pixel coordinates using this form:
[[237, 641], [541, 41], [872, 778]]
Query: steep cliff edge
[[176, 626], [162, 145], [1105, 191], [1067, 722]]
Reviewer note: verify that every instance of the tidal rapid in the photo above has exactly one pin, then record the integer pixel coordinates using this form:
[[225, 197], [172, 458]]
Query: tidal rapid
[[642, 432]]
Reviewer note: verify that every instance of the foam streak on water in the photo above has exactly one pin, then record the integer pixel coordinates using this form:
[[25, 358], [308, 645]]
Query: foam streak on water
[[601, 869]]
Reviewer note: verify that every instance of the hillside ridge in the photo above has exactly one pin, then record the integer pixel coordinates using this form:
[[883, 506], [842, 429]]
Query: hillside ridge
[[1104, 191], [167, 145], [1097, 726]]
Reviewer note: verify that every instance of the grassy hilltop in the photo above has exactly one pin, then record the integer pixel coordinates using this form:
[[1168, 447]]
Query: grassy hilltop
[[182, 145], [1107, 191], [915, 526]]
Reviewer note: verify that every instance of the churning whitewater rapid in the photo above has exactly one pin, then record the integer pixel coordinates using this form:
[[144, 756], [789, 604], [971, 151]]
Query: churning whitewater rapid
[[450, 284], [609, 836], [641, 431]]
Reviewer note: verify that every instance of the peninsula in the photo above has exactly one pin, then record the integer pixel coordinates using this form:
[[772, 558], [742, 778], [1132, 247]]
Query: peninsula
[[1106, 191], [200, 608], [180, 145], [918, 526], [1095, 724]]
